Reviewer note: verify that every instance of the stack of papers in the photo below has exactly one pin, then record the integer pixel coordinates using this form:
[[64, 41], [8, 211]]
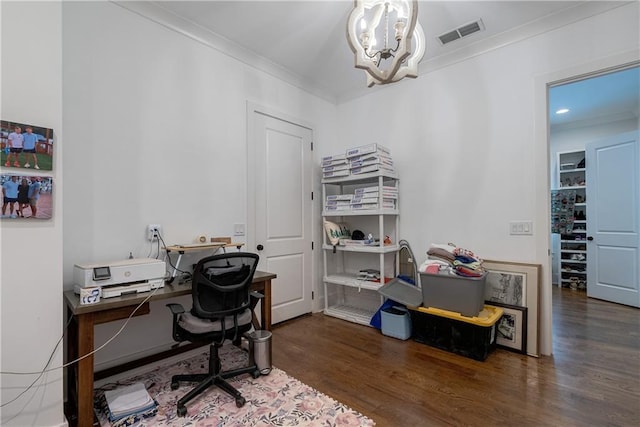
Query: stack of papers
[[129, 401]]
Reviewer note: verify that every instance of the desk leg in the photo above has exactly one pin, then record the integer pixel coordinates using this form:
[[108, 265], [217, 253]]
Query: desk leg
[[72, 354], [85, 370], [265, 308]]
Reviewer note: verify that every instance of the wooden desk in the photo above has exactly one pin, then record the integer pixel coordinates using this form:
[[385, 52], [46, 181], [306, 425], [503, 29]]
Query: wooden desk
[[85, 317]]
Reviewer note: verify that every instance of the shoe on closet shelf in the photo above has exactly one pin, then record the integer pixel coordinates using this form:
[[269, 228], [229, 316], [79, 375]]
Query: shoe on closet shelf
[[573, 283]]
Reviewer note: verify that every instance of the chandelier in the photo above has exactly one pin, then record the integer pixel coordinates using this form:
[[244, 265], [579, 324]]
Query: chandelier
[[386, 38]]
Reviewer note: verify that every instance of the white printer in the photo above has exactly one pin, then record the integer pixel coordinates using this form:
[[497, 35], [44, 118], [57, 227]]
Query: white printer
[[120, 277]]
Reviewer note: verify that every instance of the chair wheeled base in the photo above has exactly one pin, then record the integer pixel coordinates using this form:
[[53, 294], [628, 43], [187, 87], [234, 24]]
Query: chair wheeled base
[[215, 377]]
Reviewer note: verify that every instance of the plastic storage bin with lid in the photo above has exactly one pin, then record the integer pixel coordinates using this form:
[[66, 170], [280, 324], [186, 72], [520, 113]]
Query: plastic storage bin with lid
[[473, 337], [445, 291]]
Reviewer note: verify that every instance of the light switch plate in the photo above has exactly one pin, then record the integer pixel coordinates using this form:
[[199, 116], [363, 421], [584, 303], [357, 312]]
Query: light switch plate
[[521, 228]]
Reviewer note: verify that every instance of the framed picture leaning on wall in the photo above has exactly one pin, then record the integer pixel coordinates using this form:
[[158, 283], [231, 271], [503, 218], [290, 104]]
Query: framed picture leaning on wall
[[516, 284], [511, 329]]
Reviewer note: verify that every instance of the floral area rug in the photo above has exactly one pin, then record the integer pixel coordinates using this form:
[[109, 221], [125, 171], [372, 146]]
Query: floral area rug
[[272, 400]]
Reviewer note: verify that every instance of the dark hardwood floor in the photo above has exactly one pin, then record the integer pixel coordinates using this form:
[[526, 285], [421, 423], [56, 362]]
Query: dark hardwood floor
[[592, 379]]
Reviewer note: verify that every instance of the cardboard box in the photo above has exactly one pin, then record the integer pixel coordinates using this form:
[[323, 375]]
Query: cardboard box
[[367, 149]]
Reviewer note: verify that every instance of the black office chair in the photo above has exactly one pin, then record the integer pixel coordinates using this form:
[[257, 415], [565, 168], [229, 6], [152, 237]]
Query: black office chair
[[221, 311]]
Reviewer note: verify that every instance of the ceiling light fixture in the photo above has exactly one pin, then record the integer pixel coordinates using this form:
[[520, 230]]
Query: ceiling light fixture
[[370, 24], [562, 111]]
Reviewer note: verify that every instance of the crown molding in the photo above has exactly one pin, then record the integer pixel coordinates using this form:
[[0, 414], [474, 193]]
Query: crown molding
[[154, 12]]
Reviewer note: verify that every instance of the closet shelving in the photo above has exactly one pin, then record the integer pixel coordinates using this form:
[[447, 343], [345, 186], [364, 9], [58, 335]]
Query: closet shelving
[[573, 245], [347, 296]]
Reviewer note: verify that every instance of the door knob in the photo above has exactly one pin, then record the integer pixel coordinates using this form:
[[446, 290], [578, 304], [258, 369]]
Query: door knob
[[589, 238], [259, 247]]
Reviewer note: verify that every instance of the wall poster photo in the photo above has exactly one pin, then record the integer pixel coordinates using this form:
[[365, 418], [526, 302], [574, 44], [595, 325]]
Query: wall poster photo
[[516, 284], [26, 146], [26, 196]]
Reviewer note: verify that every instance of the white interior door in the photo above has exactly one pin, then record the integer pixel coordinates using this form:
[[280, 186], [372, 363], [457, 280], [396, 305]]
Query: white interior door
[[281, 163], [613, 238]]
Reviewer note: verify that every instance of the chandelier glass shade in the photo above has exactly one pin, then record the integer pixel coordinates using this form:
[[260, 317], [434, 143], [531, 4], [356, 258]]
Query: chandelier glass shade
[[386, 38]]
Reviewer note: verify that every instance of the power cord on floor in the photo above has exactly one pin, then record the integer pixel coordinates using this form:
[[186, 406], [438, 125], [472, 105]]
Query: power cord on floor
[[44, 370], [40, 373]]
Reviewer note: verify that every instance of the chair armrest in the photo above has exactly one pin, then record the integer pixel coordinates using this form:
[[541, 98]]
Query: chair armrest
[[176, 308], [256, 295]]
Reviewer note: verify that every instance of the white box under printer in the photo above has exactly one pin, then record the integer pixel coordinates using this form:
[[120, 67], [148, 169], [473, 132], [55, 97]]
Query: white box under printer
[[120, 277]]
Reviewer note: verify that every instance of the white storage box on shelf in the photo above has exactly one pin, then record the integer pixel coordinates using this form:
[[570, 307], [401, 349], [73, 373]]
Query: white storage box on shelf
[[366, 149]]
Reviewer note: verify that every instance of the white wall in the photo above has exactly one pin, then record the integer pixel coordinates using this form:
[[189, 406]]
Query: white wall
[[470, 145], [576, 138], [31, 251], [155, 130]]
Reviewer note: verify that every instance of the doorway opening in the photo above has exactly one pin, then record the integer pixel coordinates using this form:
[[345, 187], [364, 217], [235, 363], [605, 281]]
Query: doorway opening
[[592, 107]]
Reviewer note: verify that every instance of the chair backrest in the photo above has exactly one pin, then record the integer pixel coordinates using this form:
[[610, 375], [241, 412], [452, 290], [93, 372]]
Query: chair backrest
[[221, 284]]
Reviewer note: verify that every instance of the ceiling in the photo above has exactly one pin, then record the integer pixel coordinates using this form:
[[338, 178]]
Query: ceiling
[[304, 42], [598, 99]]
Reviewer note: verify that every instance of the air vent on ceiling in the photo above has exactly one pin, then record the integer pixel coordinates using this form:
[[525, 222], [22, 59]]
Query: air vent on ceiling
[[460, 32]]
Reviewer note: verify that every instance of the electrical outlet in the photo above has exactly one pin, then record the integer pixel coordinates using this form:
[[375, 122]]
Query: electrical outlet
[[238, 229], [153, 232]]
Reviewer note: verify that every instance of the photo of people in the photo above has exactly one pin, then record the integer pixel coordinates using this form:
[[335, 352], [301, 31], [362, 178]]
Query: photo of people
[[26, 197], [25, 146]]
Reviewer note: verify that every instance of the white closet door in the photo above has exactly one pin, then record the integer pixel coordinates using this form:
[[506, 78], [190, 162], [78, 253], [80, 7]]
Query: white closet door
[[613, 235]]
